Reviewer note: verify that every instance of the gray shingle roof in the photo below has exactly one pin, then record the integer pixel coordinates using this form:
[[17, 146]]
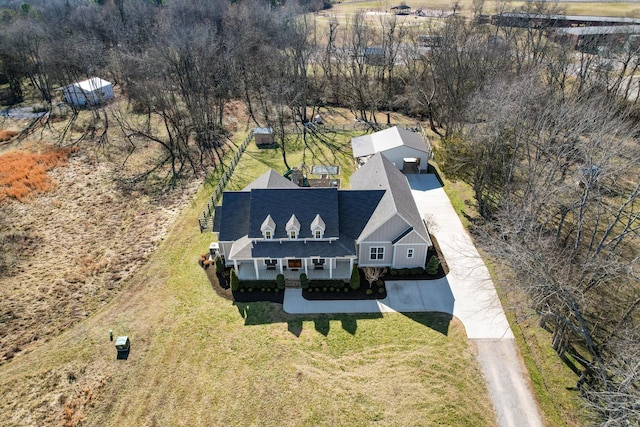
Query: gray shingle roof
[[234, 215], [387, 139], [300, 249], [305, 204], [270, 179], [380, 173]]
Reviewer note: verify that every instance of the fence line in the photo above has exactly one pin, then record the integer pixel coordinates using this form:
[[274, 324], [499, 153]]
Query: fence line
[[206, 219]]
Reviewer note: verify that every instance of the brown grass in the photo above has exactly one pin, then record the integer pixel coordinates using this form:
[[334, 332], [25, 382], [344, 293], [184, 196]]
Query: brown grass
[[23, 173], [6, 135]]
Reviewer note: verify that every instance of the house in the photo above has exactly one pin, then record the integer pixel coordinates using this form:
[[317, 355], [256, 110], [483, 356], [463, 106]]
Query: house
[[88, 92], [271, 228], [404, 148]]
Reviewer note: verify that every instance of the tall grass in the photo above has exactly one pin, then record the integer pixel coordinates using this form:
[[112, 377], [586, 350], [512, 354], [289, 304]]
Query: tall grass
[[23, 173]]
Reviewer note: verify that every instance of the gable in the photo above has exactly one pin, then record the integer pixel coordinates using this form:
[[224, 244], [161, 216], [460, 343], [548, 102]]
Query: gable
[[384, 231], [410, 238]]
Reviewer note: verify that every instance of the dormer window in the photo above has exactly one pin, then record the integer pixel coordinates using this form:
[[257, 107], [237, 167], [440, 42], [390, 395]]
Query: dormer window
[[293, 227], [268, 228], [317, 227]]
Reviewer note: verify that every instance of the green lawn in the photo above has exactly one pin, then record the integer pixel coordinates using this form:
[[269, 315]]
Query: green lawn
[[198, 359]]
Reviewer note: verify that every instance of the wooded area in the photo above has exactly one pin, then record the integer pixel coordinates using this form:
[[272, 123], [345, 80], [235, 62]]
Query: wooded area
[[546, 136]]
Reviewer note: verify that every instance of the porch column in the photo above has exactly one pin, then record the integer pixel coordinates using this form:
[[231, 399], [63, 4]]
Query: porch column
[[350, 265], [235, 265], [306, 271], [280, 261], [255, 265], [330, 268]]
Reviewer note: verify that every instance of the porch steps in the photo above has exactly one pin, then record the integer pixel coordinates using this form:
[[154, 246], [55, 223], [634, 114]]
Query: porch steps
[[292, 283]]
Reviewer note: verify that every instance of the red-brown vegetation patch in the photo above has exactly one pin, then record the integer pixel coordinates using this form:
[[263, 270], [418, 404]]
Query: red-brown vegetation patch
[[23, 173], [6, 135]]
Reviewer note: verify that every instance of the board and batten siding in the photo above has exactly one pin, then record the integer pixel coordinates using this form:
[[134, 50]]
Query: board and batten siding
[[225, 248], [388, 231], [401, 260], [398, 154], [365, 251]]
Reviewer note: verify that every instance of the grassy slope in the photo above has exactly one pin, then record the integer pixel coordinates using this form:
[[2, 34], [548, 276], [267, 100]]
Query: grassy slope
[[198, 359]]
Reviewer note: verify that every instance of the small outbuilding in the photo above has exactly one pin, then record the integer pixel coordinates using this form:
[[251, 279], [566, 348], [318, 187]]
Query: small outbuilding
[[88, 92], [263, 136], [404, 148]]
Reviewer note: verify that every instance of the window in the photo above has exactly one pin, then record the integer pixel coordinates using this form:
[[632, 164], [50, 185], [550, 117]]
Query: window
[[318, 263], [410, 253], [293, 234], [271, 263], [376, 253], [318, 234], [267, 234]]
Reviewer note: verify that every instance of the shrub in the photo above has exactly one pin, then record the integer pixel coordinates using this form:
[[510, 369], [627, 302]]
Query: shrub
[[317, 289], [235, 282], [369, 291], [219, 265], [304, 281], [250, 290], [381, 290], [346, 289], [394, 272], [310, 290], [280, 282], [432, 265], [355, 278], [379, 282], [332, 289], [324, 289]]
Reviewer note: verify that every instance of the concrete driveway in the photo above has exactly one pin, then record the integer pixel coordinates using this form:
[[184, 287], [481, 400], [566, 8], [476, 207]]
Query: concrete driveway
[[467, 292]]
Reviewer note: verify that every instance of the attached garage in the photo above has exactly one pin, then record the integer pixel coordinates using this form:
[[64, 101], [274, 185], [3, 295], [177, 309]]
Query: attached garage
[[404, 148]]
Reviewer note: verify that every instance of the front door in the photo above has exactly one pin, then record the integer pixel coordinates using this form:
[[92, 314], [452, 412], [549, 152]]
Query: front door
[[295, 264]]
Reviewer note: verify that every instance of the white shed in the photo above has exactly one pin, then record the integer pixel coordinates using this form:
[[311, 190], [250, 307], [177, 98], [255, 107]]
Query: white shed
[[404, 148], [92, 91]]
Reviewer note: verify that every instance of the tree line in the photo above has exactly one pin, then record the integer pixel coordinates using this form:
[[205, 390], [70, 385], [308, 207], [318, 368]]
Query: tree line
[[546, 136]]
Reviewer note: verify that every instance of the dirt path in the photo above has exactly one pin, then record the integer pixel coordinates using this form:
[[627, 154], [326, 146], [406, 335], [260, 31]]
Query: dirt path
[[507, 383]]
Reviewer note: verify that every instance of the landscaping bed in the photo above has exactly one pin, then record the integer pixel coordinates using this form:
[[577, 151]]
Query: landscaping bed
[[314, 293]]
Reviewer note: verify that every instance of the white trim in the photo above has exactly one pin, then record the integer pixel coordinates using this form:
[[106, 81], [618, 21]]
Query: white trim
[[255, 266]]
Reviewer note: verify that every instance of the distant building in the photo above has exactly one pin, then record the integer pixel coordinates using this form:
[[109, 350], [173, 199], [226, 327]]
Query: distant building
[[263, 136], [88, 92], [538, 20], [590, 39]]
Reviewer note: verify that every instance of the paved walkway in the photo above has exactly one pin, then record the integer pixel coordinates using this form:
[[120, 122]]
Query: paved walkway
[[467, 292]]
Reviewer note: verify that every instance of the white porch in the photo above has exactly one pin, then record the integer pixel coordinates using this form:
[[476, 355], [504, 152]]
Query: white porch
[[258, 270]]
